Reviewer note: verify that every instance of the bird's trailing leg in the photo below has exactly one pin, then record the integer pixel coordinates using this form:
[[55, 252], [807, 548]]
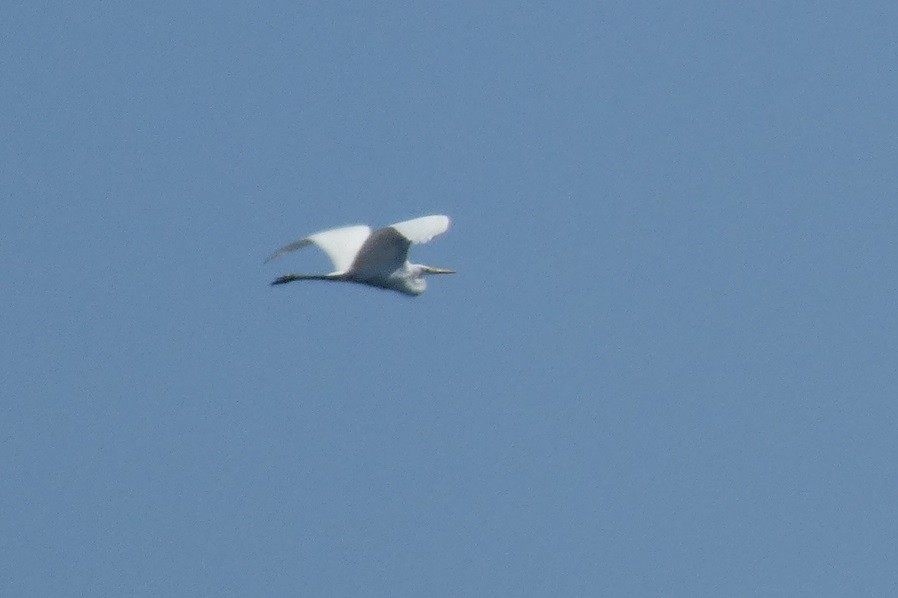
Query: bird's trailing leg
[[285, 279], [291, 277]]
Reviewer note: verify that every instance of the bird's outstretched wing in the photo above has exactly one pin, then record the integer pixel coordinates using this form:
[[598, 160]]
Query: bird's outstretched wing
[[340, 244], [422, 230]]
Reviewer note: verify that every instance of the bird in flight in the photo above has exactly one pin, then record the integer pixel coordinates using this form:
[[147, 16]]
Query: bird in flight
[[378, 258]]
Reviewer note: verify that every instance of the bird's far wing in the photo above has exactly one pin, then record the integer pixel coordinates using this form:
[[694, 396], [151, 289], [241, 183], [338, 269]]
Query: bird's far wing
[[422, 230], [340, 244]]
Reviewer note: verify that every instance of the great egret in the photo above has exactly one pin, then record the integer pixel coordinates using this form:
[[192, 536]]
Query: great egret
[[378, 259]]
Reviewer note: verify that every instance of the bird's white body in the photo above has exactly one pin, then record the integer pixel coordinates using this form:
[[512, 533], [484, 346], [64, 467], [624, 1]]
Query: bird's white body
[[377, 258]]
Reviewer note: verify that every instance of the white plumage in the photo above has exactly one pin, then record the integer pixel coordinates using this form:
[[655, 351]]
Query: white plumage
[[378, 258]]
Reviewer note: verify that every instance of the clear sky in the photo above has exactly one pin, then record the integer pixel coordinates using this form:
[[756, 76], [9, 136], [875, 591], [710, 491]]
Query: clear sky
[[666, 366]]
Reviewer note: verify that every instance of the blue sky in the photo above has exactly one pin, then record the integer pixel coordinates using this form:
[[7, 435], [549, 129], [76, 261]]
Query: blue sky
[[666, 367]]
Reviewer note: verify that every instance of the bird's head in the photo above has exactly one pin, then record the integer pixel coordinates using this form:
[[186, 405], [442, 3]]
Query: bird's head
[[414, 283]]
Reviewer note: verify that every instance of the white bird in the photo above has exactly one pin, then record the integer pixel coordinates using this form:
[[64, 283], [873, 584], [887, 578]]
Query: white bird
[[376, 258]]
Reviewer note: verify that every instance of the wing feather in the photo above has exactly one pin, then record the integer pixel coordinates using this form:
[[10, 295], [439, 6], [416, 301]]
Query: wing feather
[[340, 244], [422, 230]]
